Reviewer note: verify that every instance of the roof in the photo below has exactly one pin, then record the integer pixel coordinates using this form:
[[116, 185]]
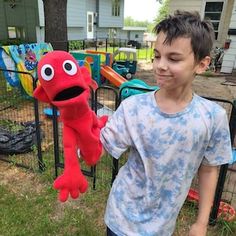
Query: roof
[[132, 50], [134, 28]]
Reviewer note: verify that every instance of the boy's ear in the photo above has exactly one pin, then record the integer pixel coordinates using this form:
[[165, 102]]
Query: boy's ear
[[203, 64]]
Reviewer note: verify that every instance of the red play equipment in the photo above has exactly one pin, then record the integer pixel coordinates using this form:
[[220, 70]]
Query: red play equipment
[[108, 73], [226, 211]]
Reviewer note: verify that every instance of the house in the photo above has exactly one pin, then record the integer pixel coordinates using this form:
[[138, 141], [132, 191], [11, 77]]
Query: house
[[223, 16], [86, 19], [133, 33]]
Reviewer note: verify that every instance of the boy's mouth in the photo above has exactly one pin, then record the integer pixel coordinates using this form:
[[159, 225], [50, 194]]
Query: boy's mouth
[[163, 77]]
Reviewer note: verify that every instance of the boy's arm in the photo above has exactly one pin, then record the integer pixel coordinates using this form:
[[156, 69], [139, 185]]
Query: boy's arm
[[207, 185]]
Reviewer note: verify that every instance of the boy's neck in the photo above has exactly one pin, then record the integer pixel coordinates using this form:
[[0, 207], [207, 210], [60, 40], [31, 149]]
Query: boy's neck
[[171, 102]]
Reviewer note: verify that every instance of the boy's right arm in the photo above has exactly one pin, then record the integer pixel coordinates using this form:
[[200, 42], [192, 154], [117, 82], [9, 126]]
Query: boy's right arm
[[207, 184]]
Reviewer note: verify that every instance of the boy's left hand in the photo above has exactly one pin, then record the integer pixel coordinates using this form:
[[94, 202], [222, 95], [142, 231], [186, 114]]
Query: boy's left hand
[[198, 229]]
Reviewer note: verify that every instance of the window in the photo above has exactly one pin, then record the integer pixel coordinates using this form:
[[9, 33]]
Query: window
[[16, 32], [112, 33], [136, 36], [90, 23], [115, 7], [213, 12], [12, 32]]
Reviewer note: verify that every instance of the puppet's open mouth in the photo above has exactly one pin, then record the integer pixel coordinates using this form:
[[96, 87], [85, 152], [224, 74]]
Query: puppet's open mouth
[[69, 93]]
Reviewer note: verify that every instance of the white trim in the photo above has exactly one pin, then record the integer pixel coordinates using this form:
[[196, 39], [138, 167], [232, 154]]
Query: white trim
[[90, 25]]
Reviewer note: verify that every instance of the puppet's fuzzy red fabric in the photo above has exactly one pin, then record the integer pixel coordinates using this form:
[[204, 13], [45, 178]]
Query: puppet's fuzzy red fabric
[[66, 85]]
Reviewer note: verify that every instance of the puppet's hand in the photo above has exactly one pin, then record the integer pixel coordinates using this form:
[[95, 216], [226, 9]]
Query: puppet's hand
[[72, 182]]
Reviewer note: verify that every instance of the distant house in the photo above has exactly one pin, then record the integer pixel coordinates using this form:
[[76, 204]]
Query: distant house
[[223, 16], [86, 19], [133, 33]]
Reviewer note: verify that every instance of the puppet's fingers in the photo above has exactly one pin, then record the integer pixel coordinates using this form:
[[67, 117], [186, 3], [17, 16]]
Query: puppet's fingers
[[83, 187], [74, 193], [59, 183], [63, 195]]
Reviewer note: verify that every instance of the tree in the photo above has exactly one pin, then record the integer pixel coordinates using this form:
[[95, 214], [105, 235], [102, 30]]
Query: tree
[[56, 23], [163, 11], [129, 21]]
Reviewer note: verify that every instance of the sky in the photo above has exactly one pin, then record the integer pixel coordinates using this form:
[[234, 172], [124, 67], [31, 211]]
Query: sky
[[141, 10]]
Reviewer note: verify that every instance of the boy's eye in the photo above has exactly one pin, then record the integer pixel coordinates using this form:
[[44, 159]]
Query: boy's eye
[[174, 59]]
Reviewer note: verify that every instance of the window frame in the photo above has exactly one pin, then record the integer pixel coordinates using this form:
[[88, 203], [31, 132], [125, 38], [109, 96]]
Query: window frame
[[217, 31], [115, 9]]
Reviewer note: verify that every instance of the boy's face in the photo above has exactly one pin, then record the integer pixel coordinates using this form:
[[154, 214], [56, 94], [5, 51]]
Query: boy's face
[[174, 64]]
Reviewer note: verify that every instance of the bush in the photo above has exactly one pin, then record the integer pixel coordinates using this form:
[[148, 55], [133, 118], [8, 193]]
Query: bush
[[75, 45], [12, 42]]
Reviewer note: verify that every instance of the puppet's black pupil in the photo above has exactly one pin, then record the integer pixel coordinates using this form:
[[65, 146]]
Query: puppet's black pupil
[[48, 71], [68, 66]]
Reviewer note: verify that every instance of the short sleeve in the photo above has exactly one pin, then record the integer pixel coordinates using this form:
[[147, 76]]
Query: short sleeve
[[115, 136], [219, 150]]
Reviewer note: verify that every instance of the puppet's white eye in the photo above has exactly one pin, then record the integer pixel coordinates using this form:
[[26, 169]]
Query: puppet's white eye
[[70, 67], [47, 72]]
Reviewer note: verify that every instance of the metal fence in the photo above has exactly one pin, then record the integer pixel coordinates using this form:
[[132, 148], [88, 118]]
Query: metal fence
[[144, 49], [17, 109]]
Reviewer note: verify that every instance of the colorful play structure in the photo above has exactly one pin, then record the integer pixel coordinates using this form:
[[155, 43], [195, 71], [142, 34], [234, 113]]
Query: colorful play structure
[[103, 67], [116, 68], [22, 58], [226, 211]]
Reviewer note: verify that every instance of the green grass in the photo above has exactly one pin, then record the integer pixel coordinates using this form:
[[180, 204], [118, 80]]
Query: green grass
[[41, 214], [142, 54], [29, 206]]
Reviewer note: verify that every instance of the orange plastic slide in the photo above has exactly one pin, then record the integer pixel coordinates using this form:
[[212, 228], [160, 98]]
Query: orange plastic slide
[[108, 73]]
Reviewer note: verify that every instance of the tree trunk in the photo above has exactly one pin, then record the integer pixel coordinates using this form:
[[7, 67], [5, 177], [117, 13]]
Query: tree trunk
[[56, 23]]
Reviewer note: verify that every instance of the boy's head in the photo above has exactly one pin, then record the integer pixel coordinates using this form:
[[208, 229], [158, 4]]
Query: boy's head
[[189, 25]]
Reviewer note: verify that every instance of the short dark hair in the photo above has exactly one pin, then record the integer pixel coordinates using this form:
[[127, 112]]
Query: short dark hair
[[189, 25]]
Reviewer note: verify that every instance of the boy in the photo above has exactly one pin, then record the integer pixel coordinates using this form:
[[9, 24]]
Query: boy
[[172, 133]]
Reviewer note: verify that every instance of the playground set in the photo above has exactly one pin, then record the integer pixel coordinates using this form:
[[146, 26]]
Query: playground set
[[103, 67], [24, 58]]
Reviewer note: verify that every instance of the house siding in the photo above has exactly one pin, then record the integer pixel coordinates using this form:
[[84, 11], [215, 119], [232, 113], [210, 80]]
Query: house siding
[[30, 14], [105, 15], [76, 20], [199, 5], [3, 23], [229, 60], [76, 13], [191, 5], [225, 21], [24, 14]]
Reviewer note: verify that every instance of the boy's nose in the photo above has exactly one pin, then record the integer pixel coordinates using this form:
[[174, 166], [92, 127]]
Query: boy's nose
[[161, 64]]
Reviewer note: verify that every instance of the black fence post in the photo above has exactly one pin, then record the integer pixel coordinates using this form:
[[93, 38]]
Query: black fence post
[[55, 140], [106, 44], [37, 126], [96, 44]]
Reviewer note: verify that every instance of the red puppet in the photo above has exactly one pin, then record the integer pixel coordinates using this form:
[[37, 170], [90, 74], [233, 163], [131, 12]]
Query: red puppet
[[66, 85]]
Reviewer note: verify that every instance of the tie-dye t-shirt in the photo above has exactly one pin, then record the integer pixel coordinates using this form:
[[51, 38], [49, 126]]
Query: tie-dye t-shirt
[[165, 152]]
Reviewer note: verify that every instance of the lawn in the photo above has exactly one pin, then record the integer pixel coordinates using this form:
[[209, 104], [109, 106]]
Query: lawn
[[29, 206]]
